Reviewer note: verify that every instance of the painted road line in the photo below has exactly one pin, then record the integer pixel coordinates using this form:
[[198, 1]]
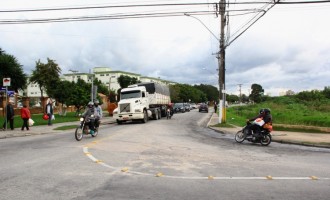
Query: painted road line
[[160, 174]]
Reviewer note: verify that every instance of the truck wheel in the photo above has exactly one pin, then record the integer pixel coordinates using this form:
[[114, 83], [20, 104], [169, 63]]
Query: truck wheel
[[145, 117], [119, 122]]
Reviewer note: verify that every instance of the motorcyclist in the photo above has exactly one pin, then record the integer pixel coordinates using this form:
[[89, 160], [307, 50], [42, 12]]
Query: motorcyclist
[[253, 128], [268, 118], [265, 115], [170, 107], [89, 111], [99, 113]]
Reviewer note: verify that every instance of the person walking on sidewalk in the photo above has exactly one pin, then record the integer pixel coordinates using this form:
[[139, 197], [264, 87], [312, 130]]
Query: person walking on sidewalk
[[25, 115], [215, 107], [49, 111], [10, 116]]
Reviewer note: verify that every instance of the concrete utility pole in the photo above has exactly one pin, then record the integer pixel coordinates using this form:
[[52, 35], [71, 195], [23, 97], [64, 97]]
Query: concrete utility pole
[[221, 60], [240, 92]]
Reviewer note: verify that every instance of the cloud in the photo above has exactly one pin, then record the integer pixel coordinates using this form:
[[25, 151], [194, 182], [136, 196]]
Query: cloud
[[287, 49]]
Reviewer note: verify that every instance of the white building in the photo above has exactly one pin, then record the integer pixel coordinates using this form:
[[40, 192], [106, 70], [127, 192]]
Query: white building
[[104, 74]]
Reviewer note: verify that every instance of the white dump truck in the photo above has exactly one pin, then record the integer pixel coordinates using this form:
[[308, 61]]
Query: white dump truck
[[141, 102]]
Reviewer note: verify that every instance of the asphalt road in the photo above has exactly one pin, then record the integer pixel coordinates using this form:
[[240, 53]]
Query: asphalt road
[[162, 159]]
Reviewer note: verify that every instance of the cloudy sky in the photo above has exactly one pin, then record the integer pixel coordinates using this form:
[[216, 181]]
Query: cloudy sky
[[286, 49]]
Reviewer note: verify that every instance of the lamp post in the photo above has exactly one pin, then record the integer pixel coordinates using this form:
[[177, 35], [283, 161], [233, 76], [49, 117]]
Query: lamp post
[[221, 61]]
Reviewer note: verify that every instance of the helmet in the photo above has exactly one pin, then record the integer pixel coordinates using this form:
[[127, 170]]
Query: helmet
[[96, 101], [90, 104], [262, 111], [267, 111]]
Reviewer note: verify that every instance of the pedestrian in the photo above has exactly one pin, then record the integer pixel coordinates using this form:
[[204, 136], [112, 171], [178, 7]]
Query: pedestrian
[[215, 107], [25, 115], [9, 116], [49, 111]]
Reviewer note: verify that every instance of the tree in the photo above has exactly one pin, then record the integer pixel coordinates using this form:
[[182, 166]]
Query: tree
[[211, 92], [124, 81], [112, 96], [63, 91], [80, 94], [256, 93], [289, 93], [10, 68], [185, 92], [313, 95], [326, 92], [232, 98], [245, 98], [101, 88], [47, 76]]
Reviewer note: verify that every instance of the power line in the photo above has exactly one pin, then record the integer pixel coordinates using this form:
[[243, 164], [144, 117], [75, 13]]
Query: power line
[[104, 17], [103, 7]]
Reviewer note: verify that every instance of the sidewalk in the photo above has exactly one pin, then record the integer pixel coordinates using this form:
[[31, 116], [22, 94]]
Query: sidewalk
[[43, 129], [307, 139]]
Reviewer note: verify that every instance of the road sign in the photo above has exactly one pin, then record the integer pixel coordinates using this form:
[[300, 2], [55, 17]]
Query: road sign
[[10, 93], [6, 81]]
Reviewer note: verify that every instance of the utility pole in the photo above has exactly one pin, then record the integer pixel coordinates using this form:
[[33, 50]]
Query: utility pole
[[221, 59], [240, 93]]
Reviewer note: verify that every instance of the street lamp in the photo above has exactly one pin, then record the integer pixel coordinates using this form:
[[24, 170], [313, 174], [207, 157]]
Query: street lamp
[[221, 68]]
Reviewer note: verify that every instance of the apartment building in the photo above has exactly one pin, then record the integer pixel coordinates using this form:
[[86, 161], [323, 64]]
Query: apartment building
[[104, 74]]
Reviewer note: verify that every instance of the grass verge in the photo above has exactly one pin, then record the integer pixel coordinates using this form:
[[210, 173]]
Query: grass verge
[[62, 128]]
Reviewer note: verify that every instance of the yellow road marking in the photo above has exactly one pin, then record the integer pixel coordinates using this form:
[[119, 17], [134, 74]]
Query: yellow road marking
[[125, 169], [159, 174]]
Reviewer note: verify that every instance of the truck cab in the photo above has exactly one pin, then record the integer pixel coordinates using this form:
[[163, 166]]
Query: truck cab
[[142, 101]]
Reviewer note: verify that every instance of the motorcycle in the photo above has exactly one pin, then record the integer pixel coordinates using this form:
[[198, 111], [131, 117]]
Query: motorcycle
[[169, 113], [83, 128], [263, 137]]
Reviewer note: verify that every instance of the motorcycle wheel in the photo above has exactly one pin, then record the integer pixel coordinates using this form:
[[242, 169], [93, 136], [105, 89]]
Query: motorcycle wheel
[[78, 134], [240, 136], [266, 140], [96, 132]]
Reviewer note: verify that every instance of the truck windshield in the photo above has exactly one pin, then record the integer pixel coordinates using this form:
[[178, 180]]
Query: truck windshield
[[130, 94]]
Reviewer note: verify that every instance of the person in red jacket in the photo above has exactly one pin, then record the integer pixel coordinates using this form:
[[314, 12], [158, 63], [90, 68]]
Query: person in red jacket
[[25, 114]]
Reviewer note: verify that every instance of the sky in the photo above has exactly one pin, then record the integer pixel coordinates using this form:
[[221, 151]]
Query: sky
[[286, 49]]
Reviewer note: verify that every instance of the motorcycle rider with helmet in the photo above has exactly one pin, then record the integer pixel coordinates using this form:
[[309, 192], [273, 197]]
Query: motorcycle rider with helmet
[[89, 111], [265, 115]]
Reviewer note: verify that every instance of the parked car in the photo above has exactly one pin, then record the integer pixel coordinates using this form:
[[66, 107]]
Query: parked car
[[179, 107], [193, 106], [203, 107], [187, 107]]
